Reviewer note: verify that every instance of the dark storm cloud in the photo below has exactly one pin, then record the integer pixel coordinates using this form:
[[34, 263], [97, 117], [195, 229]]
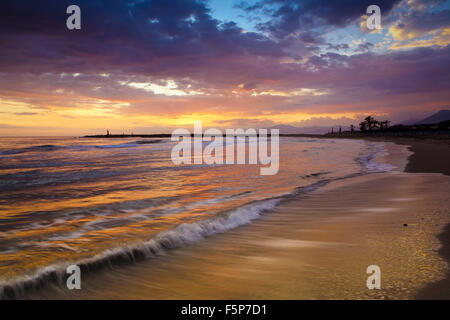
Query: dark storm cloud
[[133, 36], [292, 15], [424, 21]]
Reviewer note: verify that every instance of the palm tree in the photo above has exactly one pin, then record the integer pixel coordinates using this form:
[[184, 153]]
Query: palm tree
[[363, 126], [376, 125], [371, 122]]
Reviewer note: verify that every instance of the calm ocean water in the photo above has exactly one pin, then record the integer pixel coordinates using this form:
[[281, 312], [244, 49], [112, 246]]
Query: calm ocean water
[[104, 201]]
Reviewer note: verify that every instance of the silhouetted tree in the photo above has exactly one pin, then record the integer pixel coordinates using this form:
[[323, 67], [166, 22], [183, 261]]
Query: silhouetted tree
[[384, 125], [363, 126], [371, 122], [376, 125]]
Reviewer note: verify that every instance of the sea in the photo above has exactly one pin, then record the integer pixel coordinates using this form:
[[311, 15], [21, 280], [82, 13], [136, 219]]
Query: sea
[[104, 203]]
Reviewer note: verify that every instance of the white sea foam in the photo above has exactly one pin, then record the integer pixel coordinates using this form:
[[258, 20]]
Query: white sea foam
[[183, 234], [369, 160], [186, 233]]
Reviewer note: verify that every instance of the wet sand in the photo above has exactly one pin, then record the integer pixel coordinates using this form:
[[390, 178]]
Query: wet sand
[[433, 156], [429, 155], [316, 246]]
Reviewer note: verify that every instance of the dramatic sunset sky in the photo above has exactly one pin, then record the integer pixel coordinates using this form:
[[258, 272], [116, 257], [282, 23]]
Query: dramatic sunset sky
[[151, 66]]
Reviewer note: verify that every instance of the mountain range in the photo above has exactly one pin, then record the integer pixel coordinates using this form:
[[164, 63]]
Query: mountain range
[[440, 116]]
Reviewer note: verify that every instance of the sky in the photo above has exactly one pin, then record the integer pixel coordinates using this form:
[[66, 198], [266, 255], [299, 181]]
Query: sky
[[150, 66]]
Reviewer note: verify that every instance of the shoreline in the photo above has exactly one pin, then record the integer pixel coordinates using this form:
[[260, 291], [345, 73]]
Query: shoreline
[[421, 161], [430, 156], [315, 246]]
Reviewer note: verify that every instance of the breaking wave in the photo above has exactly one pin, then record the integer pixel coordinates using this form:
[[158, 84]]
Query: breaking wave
[[180, 235], [184, 234], [370, 165]]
